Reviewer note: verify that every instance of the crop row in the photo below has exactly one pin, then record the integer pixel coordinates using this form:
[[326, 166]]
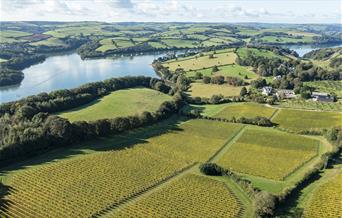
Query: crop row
[[86, 184], [326, 201], [189, 196], [268, 153]]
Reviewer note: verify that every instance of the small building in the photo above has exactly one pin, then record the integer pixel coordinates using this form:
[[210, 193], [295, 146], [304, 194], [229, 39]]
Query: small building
[[267, 90], [322, 96], [285, 93]]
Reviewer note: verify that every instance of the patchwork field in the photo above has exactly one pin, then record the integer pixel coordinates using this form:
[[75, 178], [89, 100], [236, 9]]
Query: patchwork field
[[268, 153], [119, 103], [205, 198], [307, 120], [326, 201], [248, 110], [141, 158], [207, 90], [195, 63]]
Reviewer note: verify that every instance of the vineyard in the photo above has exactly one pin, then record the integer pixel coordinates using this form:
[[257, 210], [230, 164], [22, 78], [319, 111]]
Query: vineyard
[[249, 110], [326, 201], [312, 105], [205, 198], [268, 153], [307, 120], [94, 181]]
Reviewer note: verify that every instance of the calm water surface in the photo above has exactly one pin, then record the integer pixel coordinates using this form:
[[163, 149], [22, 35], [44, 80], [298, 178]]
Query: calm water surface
[[70, 71]]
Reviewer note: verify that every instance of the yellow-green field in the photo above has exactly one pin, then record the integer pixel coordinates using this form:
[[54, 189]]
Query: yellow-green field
[[108, 171], [199, 89], [189, 196], [202, 62], [248, 110], [326, 201], [269, 153], [119, 103], [307, 120]]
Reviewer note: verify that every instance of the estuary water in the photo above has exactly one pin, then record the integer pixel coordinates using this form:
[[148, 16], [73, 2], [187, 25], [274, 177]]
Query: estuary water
[[65, 71], [70, 71]]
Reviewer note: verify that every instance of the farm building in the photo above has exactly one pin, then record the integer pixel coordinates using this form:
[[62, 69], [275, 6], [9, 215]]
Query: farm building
[[267, 90], [321, 96], [285, 93]]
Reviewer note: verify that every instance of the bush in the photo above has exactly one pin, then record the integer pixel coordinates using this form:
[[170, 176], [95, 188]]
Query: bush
[[211, 169], [264, 203], [206, 79], [217, 80]]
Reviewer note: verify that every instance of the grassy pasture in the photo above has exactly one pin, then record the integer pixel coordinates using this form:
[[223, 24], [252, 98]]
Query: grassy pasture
[[249, 110], [307, 120], [180, 43], [106, 44], [109, 170], [242, 52], [49, 42], [9, 36], [207, 90], [202, 62], [190, 196], [233, 70], [268, 153], [157, 45], [326, 200], [275, 39], [118, 103]]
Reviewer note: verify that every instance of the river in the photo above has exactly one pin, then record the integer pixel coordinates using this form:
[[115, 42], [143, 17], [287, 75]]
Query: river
[[66, 71]]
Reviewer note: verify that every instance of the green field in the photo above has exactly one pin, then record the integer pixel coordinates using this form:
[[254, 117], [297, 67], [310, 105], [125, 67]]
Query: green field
[[275, 39], [180, 43], [268, 153], [248, 110], [205, 198], [49, 42], [242, 52], [207, 90], [297, 120], [119, 103], [142, 159], [194, 63], [233, 70]]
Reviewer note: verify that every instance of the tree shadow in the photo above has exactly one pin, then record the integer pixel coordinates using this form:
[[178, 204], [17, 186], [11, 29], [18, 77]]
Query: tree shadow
[[4, 191], [110, 143]]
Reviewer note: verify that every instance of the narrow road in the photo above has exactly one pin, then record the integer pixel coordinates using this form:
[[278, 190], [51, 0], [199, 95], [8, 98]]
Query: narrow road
[[227, 145], [110, 210]]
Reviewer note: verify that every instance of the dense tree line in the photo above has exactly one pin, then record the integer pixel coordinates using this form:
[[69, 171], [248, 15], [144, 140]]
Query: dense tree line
[[27, 128], [322, 54], [69, 98], [10, 77]]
